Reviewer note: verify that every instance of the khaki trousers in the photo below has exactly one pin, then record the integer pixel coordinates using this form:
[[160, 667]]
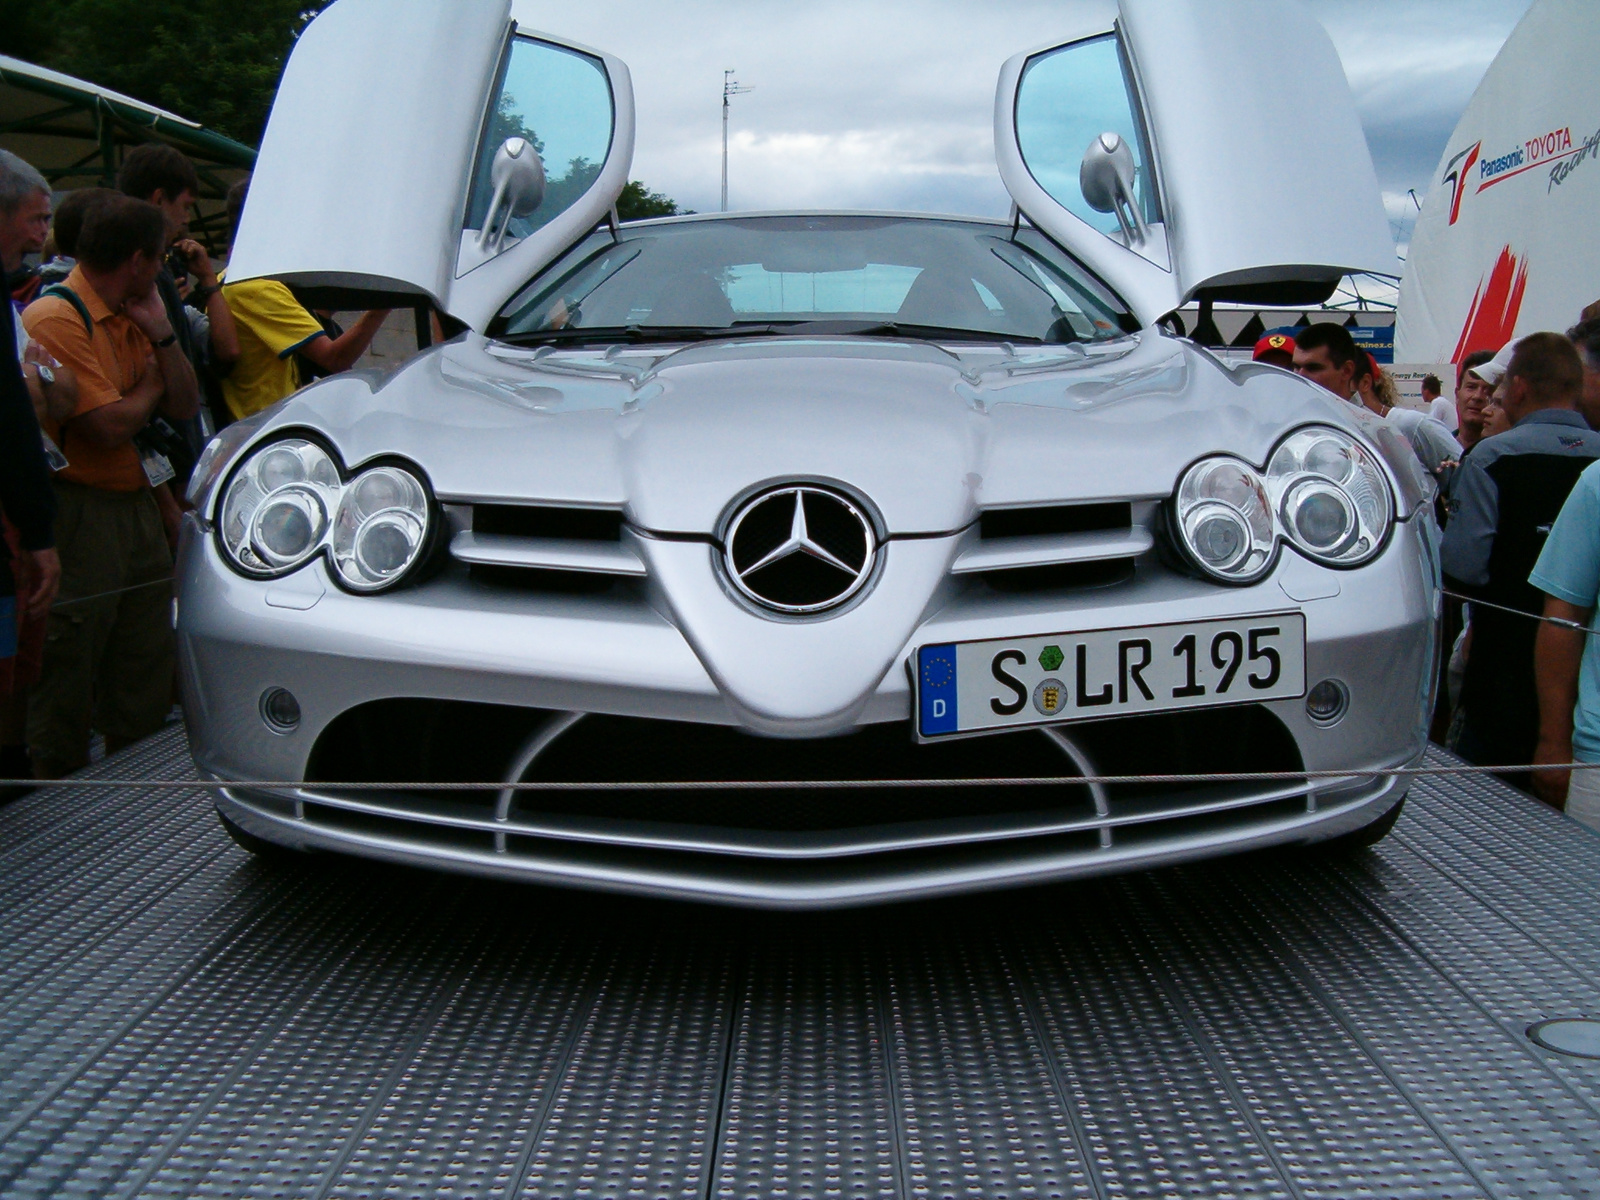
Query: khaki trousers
[[109, 650]]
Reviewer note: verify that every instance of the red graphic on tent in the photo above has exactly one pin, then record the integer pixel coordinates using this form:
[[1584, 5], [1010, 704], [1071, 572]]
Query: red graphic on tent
[[1495, 305], [1456, 177]]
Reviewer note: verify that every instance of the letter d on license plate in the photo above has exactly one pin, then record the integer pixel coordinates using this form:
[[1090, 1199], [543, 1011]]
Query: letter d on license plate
[[967, 687]]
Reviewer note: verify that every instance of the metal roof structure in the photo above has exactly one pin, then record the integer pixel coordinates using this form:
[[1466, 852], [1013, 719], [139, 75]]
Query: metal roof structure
[[77, 133]]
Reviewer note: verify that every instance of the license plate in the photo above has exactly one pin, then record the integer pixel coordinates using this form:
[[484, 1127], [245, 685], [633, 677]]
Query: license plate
[[965, 687]]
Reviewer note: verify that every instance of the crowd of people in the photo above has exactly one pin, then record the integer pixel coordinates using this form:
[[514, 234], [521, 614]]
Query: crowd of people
[[1517, 468], [125, 350]]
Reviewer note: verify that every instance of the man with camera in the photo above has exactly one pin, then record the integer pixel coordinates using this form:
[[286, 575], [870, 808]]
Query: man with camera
[[162, 176]]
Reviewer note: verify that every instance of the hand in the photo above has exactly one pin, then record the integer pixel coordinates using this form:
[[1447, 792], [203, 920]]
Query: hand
[[197, 260], [1551, 785], [44, 569], [150, 315]]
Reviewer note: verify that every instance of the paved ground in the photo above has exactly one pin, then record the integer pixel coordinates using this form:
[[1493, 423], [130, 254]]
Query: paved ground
[[179, 1020]]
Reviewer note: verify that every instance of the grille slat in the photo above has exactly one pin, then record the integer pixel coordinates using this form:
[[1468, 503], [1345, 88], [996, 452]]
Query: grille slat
[[1058, 546], [548, 548]]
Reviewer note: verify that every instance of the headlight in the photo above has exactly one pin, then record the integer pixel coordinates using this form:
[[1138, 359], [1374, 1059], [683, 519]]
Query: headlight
[[1322, 491], [1226, 518], [287, 501], [381, 528]]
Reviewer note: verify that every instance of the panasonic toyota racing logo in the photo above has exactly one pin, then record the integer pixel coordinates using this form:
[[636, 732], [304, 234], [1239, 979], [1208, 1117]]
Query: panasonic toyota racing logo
[[1456, 177], [1474, 171]]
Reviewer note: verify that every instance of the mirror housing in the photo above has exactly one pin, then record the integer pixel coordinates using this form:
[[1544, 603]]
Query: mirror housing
[[519, 182], [1106, 177]]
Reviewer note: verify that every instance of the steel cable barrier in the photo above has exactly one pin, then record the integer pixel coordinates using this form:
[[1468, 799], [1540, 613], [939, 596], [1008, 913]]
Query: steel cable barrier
[[680, 785]]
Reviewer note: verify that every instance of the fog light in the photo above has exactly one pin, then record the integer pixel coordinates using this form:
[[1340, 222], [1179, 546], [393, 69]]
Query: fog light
[[279, 710], [1327, 702]]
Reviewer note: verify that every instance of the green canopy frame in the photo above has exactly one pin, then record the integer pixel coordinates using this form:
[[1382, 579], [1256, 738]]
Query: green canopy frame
[[77, 133]]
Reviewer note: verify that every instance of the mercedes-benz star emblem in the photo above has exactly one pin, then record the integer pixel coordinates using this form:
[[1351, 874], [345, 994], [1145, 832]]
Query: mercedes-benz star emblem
[[800, 549]]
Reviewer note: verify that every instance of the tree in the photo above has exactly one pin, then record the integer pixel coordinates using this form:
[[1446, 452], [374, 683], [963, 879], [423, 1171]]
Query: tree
[[637, 202], [213, 61], [218, 62]]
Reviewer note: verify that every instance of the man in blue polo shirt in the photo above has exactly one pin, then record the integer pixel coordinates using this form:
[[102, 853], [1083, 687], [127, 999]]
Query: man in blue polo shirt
[[1567, 658]]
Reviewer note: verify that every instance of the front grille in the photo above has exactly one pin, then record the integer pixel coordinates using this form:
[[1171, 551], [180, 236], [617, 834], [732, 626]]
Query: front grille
[[542, 521], [1047, 548], [416, 740], [575, 550], [1054, 519]]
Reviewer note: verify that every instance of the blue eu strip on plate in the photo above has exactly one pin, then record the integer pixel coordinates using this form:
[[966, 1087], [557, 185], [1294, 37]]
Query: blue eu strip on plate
[[936, 690]]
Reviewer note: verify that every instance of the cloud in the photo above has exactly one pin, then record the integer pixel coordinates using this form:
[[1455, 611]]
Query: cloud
[[890, 104], [1412, 68], [886, 105]]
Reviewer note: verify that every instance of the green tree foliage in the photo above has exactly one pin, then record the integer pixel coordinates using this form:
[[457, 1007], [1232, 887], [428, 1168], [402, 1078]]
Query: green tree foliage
[[213, 61], [218, 62], [638, 202]]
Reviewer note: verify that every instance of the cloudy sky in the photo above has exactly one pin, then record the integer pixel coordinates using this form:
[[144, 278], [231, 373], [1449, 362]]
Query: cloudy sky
[[888, 103]]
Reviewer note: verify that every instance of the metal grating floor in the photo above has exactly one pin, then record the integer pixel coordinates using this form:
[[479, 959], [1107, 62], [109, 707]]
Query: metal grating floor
[[177, 1020]]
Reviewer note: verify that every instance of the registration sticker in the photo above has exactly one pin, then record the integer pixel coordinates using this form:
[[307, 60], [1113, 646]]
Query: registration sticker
[[969, 687]]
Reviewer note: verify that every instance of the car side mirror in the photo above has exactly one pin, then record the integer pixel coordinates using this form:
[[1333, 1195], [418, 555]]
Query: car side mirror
[[518, 177], [1106, 179]]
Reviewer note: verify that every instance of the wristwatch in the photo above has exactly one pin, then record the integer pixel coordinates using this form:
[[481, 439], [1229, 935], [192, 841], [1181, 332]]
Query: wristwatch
[[166, 341], [46, 375]]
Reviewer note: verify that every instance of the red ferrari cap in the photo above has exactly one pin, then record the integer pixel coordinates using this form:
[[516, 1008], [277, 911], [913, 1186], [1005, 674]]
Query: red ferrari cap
[[1274, 342]]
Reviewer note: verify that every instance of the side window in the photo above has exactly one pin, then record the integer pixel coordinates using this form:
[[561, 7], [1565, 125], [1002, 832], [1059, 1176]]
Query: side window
[[560, 101], [1068, 97]]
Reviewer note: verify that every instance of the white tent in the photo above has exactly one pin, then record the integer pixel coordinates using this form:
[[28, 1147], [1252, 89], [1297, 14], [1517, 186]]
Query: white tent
[[1505, 243]]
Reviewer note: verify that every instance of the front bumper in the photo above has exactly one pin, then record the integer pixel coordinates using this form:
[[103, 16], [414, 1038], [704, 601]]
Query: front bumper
[[454, 639]]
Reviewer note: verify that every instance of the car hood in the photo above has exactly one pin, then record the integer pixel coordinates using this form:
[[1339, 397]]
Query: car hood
[[924, 435]]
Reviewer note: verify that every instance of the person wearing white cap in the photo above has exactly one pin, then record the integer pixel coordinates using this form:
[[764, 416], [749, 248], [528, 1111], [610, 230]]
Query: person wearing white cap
[[1493, 371], [1508, 493]]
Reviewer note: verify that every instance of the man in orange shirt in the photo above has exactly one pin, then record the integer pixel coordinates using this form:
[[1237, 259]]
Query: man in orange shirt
[[109, 649]]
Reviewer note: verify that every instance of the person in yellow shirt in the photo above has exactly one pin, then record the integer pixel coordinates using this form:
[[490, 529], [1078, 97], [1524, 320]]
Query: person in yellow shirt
[[273, 328]]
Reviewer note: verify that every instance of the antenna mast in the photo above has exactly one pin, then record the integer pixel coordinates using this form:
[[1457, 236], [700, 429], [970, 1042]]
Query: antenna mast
[[730, 87]]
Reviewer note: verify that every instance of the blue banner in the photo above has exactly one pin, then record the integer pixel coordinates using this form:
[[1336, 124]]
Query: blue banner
[[1376, 340]]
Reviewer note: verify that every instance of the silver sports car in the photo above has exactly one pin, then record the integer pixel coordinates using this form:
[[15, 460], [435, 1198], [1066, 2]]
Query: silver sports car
[[769, 502]]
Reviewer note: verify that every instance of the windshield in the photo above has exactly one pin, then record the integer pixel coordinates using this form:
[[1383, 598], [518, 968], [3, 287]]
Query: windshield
[[773, 275]]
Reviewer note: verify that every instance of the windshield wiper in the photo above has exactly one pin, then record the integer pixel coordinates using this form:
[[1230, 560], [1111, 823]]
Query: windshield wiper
[[701, 333], [904, 329], [637, 333]]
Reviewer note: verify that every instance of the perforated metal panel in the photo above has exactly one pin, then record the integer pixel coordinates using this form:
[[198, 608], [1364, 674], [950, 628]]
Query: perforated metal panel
[[177, 1019]]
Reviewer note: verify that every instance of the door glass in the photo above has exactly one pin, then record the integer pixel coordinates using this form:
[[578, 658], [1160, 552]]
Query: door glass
[[1066, 99], [560, 101]]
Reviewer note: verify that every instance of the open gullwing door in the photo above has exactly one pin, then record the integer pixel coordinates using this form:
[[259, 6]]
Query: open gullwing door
[[419, 150], [1196, 149]]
